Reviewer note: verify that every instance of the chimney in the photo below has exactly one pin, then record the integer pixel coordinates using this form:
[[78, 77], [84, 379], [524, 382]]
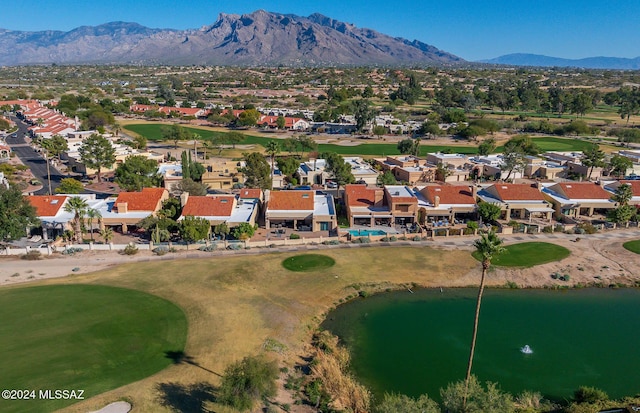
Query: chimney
[[378, 197], [436, 201], [184, 197], [474, 191], [122, 207]]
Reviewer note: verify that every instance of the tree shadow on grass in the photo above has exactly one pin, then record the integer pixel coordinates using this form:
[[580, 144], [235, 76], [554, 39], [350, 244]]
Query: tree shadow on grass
[[186, 398], [180, 357]]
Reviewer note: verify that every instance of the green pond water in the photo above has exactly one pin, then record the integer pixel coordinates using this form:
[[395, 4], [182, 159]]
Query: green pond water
[[418, 343]]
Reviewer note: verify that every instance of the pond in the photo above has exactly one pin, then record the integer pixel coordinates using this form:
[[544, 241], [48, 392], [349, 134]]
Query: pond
[[418, 343]]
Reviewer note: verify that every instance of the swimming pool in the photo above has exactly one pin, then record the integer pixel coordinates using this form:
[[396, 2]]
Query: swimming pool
[[366, 232]]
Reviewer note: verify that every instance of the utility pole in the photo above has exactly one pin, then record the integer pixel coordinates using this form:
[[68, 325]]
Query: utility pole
[[46, 158]]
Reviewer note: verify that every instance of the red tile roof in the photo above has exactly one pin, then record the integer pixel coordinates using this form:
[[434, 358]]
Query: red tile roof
[[450, 194], [46, 205], [209, 206], [250, 193], [518, 192], [291, 200], [583, 190], [359, 195], [147, 200]]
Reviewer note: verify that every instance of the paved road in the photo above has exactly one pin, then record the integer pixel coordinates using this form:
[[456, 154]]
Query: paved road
[[32, 159]]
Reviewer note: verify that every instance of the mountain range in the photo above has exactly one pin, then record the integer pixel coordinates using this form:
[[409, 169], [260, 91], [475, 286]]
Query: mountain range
[[258, 38], [523, 59]]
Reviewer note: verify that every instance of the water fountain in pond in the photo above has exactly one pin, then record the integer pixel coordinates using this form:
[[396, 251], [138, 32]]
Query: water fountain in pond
[[526, 349]]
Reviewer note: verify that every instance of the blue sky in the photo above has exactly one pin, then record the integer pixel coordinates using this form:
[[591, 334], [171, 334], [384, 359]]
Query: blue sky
[[471, 29]]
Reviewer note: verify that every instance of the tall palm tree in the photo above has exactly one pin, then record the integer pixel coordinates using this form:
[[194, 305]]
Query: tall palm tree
[[78, 207], [92, 214], [196, 137], [488, 246], [272, 148]]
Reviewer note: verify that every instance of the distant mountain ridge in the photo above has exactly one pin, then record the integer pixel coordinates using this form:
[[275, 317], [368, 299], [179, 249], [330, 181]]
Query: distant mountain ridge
[[600, 62], [258, 38]]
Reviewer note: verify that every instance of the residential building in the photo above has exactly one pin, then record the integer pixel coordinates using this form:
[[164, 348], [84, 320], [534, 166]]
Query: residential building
[[49, 210], [408, 168], [454, 160], [490, 167], [218, 209], [223, 174], [362, 171], [517, 201], [449, 202], [540, 168], [300, 210], [129, 208], [403, 203], [312, 172], [579, 199], [366, 206], [290, 123], [171, 174]]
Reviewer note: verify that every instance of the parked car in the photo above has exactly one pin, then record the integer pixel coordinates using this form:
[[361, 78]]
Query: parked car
[[332, 185]]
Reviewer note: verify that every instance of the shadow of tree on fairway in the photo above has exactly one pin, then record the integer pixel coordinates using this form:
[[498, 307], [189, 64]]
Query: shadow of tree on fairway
[[180, 357], [186, 398]]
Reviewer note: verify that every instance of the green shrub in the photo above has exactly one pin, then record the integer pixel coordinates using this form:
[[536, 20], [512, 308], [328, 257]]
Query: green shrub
[[32, 255], [512, 285], [294, 236], [416, 238], [332, 242], [586, 394], [586, 228], [130, 250], [363, 293], [160, 250], [72, 251], [361, 240], [565, 277], [248, 381], [548, 229]]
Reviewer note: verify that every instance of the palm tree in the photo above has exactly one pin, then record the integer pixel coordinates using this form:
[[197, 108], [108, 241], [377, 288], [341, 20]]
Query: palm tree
[[107, 234], [116, 128], [196, 137], [92, 214], [488, 246], [78, 207], [272, 148]]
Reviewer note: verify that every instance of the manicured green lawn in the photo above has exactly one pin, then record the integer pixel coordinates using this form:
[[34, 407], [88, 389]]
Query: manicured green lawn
[[528, 254], [153, 133], [633, 246], [88, 337], [308, 262]]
